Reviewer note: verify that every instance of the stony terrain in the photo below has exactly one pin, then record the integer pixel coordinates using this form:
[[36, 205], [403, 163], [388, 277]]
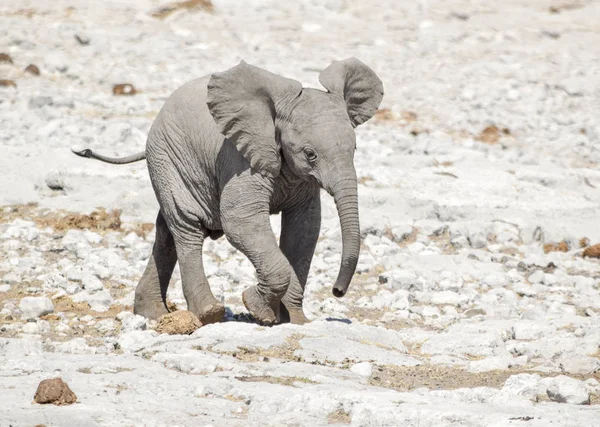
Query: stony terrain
[[473, 303]]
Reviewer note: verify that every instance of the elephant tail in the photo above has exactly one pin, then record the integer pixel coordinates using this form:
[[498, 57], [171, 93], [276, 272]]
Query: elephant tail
[[113, 160]]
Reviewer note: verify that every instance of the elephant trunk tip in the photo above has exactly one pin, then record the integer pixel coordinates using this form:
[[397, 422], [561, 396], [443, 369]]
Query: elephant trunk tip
[[339, 291]]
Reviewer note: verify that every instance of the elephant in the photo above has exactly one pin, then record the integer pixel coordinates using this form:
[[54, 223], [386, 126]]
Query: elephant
[[228, 150]]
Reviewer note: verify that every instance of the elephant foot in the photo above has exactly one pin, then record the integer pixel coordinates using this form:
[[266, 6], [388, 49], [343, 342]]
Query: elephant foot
[[150, 310], [293, 315], [259, 308], [212, 312]]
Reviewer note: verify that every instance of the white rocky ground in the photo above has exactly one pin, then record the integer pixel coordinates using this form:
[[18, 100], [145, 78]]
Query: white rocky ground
[[457, 316]]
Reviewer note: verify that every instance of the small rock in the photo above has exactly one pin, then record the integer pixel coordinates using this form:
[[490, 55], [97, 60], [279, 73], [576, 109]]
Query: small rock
[[579, 364], [131, 322], [592, 251], [4, 288], [92, 284], [181, 322], [525, 385], [35, 306], [75, 346], [460, 15], [565, 389], [364, 369], [474, 312], [33, 69], [54, 391], [31, 328], [82, 39], [446, 297], [124, 89], [7, 83], [536, 277], [551, 33], [5, 58]]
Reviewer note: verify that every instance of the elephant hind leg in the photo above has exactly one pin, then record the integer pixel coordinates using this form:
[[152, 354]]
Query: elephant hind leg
[[151, 291], [189, 239]]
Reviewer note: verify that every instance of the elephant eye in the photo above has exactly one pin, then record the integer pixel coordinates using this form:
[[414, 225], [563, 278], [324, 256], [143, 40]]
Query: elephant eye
[[310, 154]]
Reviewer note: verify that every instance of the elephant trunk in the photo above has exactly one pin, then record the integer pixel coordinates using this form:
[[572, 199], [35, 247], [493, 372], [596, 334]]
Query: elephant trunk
[[346, 200]]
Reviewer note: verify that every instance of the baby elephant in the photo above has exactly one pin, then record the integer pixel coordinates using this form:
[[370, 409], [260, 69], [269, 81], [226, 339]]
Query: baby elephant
[[229, 149]]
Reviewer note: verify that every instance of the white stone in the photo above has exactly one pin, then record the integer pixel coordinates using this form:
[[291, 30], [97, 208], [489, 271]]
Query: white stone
[[579, 364], [565, 389], [489, 364], [44, 326], [75, 346], [99, 301], [132, 322], [528, 331], [106, 326], [35, 306], [4, 288], [31, 328], [446, 297], [135, 340], [364, 369], [496, 280], [525, 385], [91, 284], [549, 279], [536, 277]]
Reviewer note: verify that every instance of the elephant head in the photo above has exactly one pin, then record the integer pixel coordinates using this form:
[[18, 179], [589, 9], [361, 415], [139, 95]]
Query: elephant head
[[272, 119]]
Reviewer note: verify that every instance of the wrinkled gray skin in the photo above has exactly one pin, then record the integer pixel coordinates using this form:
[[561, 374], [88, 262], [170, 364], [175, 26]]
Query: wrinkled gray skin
[[228, 150]]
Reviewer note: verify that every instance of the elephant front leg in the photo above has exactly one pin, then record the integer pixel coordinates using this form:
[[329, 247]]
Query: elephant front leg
[[245, 220], [300, 228]]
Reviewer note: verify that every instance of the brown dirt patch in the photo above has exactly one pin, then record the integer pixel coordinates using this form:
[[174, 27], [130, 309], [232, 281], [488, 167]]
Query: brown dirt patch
[[54, 391], [387, 115], [189, 5], [98, 220], [285, 351], [556, 247], [287, 381], [339, 417], [180, 322], [592, 251], [435, 377]]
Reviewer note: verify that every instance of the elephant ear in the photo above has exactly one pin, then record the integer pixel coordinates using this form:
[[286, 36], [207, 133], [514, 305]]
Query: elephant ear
[[244, 101], [357, 84]]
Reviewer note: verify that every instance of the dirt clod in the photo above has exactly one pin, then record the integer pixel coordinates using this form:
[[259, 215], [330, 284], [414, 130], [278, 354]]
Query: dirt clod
[[491, 134], [592, 251], [54, 391], [4, 57], [556, 247], [124, 89], [180, 322], [7, 83], [33, 69]]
